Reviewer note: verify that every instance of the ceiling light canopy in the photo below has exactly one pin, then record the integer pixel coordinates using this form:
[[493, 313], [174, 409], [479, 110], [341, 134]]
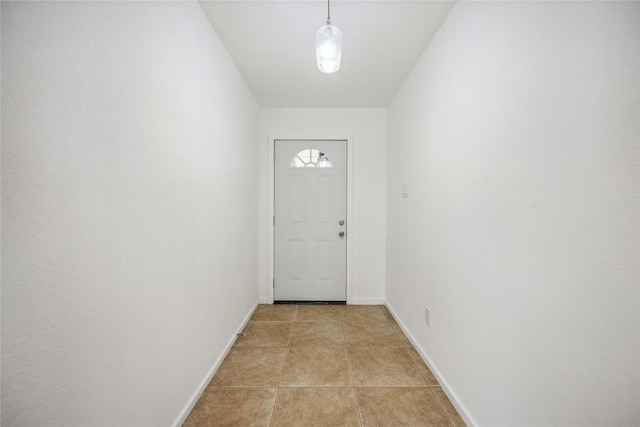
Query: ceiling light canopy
[[328, 46]]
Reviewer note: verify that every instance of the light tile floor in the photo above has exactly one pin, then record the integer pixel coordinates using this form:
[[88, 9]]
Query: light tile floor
[[323, 365]]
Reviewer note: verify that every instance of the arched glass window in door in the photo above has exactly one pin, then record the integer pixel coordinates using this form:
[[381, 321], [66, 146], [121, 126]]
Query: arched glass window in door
[[311, 158]]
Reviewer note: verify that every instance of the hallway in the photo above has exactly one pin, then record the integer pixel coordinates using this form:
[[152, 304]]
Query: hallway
[[493, 186], [320, 365]]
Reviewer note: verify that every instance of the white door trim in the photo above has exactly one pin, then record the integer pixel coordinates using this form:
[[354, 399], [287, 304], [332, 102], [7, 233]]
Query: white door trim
[[352, 228]]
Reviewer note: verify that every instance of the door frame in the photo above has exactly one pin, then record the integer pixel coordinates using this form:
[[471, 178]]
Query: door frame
[[350, 226]]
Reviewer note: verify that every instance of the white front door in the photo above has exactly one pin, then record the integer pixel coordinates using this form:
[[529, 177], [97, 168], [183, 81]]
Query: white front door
[[310, 251]]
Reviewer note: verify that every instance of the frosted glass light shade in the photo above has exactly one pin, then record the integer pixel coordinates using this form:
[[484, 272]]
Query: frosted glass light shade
[[328, 48]]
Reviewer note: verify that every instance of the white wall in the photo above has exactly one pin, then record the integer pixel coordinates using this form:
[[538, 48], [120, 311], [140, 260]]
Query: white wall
[[517, 133], [129, 210], [367, 128]]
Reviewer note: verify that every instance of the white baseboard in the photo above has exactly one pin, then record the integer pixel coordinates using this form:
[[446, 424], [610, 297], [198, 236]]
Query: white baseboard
[[443, 383], [203, 385], [366, 301]]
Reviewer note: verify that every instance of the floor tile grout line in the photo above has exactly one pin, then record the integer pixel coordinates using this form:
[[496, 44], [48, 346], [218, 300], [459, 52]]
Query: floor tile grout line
[[415, 365], [284, 361], [273, 410], [353, 381], [355, 392], [441, 407], [415, 362], [323, 386]]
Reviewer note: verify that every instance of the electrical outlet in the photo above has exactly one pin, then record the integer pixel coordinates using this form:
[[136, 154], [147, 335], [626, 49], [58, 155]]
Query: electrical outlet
[[404, 191], [427, 314]]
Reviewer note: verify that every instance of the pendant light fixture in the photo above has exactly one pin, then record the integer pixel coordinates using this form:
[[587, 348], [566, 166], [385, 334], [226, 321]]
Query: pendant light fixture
[[328, 46]]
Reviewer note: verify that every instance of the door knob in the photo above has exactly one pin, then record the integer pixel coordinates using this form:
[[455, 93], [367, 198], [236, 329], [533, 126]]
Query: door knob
[[341, 234], [341, 222]]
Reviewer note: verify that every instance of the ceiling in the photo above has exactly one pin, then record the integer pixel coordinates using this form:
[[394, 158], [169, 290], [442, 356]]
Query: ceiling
[[272, 44]]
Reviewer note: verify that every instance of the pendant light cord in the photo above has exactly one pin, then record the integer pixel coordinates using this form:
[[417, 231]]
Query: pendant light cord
[[328, 13]]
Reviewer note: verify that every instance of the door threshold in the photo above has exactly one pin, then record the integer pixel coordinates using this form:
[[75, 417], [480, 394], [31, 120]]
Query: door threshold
[[312, 302]]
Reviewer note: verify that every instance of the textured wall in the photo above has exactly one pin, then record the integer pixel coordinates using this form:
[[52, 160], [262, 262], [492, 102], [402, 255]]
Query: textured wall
[[368, 129], [129, 210], [517, 133]]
